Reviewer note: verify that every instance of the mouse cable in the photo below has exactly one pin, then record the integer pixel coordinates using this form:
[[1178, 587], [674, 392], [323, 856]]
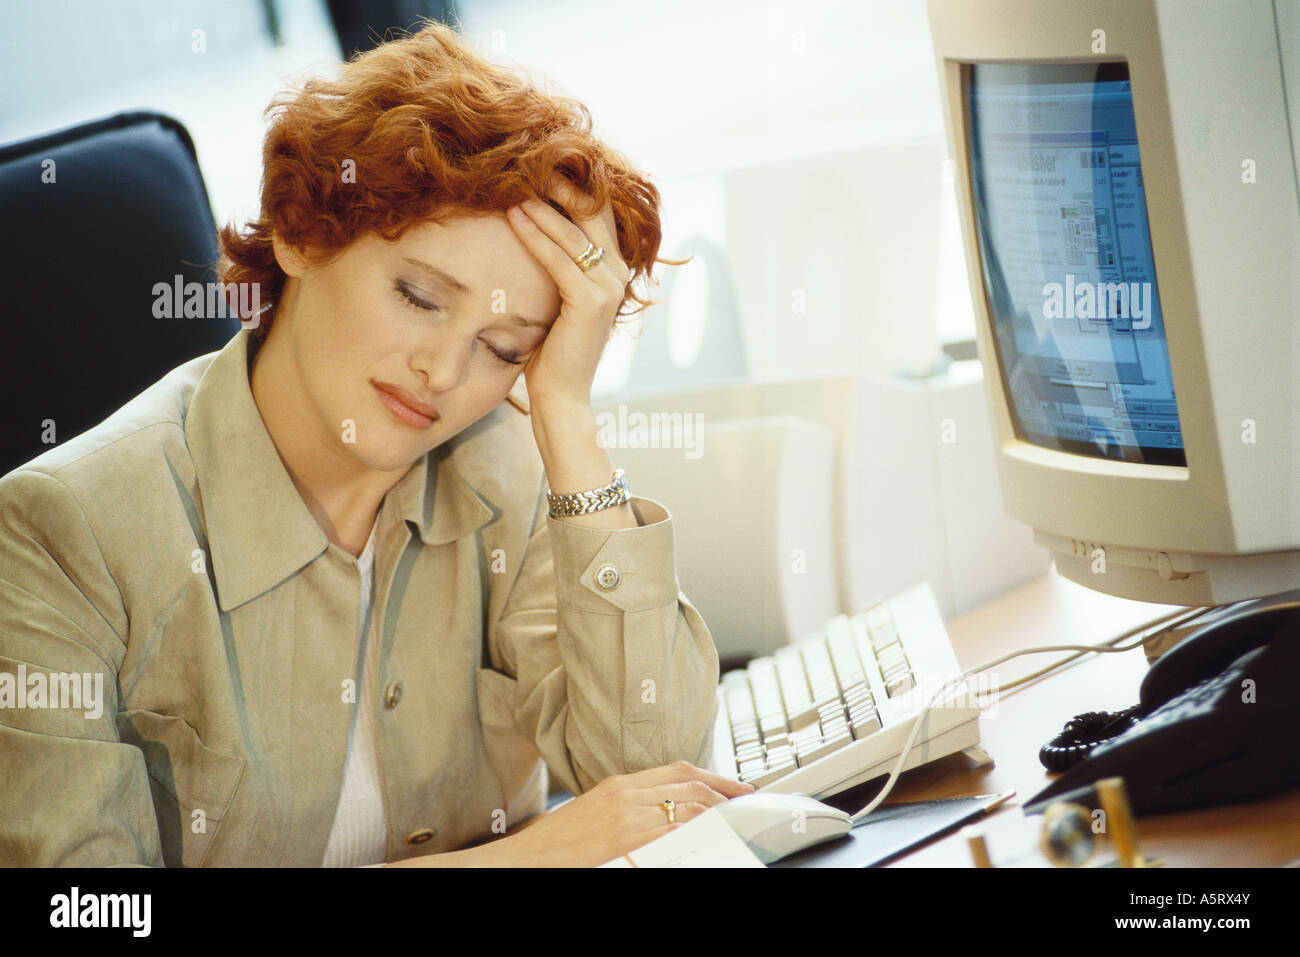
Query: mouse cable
[[1166, 621]]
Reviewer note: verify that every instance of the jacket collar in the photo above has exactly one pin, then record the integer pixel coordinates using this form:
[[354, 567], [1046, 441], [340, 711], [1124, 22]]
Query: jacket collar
[[260, 531]]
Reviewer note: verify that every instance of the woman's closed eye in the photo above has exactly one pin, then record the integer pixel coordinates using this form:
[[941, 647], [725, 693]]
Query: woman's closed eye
[[504, 357], [403, 290], [415, 301]]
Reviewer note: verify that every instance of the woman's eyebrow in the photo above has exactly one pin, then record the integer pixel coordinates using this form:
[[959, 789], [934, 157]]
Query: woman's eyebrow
[[437, 273], [460, 286]]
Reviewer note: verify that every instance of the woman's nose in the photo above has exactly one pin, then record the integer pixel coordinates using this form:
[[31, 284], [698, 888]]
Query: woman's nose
[[447, 363]]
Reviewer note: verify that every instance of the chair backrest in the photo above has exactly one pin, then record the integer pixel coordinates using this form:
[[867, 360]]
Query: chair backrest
[[97, 216]]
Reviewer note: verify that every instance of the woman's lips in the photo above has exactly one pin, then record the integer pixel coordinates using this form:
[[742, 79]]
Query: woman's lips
[[403, 411]]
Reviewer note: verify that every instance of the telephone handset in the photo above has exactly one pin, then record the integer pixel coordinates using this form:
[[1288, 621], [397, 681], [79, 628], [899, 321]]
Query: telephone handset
[[1218, 718], [1222, 636]]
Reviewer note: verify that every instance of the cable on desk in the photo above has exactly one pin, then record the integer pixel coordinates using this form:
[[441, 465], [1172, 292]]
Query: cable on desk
[[1165, 622], [1170, 620]]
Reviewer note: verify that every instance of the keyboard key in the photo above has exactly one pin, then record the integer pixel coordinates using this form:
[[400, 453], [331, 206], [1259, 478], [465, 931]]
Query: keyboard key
[[883, 636], [900, 685], [836, 730], [785, 757], [821, 674], [767, 693], [858, 694], [844, 656], [740, 704], [865, 725], [791, 677], [890, 656], [876, 616], [802, 718], [772, 724], [825, 748], [801, 737], [777, 740], [822, 701], [768, 775], [831, 708]]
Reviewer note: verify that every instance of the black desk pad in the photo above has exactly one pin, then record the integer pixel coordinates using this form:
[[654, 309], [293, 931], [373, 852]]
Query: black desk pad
[[892, 829]]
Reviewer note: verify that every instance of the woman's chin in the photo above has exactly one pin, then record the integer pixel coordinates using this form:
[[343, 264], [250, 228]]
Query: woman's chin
[[392, 456]]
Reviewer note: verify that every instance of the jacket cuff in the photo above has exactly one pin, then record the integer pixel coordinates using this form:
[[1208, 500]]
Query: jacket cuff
[[632, 569]]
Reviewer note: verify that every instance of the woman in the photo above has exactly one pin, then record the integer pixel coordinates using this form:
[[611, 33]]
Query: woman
[[347, 603]]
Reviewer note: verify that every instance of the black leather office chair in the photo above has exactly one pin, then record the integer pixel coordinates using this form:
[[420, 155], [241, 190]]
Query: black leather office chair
[[126, 209]]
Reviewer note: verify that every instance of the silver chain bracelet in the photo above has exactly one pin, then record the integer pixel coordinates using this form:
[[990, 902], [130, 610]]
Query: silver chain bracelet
[[581, 503]]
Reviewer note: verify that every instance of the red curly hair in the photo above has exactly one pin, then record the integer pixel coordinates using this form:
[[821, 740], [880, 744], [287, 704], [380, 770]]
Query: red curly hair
[[434, 130]]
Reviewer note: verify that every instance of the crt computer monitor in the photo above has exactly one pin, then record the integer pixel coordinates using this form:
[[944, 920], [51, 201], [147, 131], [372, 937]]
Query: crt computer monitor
[[1129, 191]]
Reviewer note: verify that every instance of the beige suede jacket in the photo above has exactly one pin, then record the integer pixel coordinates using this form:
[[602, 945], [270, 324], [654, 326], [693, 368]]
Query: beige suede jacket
[[166, 556]]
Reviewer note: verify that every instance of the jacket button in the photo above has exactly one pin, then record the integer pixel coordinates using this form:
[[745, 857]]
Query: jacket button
[[422, 835], [608, 577], [393, 694]]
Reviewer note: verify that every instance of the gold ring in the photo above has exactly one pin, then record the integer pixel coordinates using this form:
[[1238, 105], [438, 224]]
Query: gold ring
[[670, 808], [590, 257]]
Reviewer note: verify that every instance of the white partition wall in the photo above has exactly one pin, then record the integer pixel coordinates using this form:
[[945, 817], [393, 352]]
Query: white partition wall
[[751, 522], [913, 493]]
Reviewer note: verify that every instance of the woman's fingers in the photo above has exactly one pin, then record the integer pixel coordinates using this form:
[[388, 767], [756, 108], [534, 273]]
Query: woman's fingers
[[690, 800], [538, 234], [572, 234], [681, 771], [600, 228], [656, 823], [681, 793], [624, 812]]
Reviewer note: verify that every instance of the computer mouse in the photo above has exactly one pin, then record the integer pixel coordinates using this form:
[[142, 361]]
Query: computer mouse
[[775, 825]]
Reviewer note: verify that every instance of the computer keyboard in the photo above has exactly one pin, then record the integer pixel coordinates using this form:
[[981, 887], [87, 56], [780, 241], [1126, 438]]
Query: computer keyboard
[[834, 710]]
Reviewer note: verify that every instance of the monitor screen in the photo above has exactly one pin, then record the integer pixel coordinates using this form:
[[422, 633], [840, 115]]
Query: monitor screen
[[1068, 271]]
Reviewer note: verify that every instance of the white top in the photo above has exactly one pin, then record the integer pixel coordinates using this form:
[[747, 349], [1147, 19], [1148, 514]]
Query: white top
[[360, 832]]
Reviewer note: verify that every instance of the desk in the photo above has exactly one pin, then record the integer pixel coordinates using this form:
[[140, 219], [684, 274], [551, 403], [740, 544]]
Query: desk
[[1053, 610]]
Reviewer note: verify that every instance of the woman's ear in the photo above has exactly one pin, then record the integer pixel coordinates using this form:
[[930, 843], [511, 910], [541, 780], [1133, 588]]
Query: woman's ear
[[290, 258]]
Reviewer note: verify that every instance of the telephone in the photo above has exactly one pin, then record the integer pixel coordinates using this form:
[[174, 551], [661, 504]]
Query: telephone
[[1218, 720]]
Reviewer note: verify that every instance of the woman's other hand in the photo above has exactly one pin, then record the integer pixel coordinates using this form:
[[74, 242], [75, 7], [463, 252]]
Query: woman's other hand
[[622, 813], [618, 815]]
